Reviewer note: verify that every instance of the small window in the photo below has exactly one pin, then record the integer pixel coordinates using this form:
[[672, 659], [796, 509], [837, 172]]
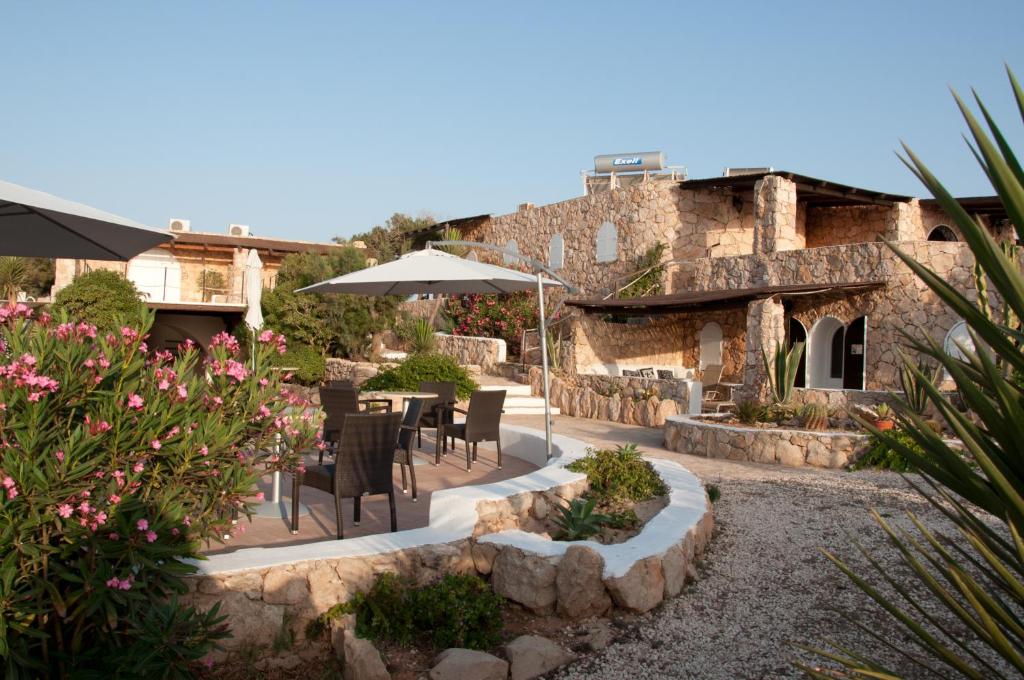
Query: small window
[[511, 251], [942, 233], [835, 369], [607, 243], [556, 252], [958, 337]]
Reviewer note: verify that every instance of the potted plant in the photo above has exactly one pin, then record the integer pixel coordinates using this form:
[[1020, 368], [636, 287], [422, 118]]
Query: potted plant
[[883, 417]]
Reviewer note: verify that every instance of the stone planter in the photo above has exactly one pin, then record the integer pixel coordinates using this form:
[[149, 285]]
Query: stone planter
[[704, 437]]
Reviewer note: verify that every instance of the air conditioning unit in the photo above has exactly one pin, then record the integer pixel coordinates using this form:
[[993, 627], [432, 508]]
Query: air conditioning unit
[[180, 225], [239, 229]]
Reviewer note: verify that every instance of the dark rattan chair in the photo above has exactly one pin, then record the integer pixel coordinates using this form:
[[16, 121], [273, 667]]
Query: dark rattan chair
[[435, 411], [339, 402], [483, 423], [403, 452], [363, 466]]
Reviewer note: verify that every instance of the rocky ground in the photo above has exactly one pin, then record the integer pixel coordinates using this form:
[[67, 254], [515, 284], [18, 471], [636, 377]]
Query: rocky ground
[[764, 585]]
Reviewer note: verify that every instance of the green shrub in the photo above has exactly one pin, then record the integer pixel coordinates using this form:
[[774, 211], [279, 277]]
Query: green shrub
[[750, 412], [100, 297], [714, 492], [882, 456], [457, 611], [620, 474], [308, 363], [577, 520], [423, 340], [423, 367]]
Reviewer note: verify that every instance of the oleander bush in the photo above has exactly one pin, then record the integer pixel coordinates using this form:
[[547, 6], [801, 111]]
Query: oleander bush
[[493, 316], [418, 368], [115, 463], [619, 474]]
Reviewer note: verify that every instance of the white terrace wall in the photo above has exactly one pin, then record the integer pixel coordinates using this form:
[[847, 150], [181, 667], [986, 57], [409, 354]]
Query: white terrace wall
[[472, 529]]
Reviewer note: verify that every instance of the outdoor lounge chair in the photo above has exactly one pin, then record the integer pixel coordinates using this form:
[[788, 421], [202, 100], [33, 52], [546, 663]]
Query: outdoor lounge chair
[[714, 392], [483, 423], [339, 402], [363, 466], [434, 411], [403, 452]]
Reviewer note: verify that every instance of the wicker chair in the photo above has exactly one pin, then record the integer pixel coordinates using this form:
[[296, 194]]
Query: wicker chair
[[403, 453], [483, 423], [339, 402], [434, 410], [363, 467]]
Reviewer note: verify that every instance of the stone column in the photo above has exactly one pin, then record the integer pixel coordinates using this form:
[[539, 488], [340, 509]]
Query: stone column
[[775, 215], [766, 329], [237, 278], [904, 223]]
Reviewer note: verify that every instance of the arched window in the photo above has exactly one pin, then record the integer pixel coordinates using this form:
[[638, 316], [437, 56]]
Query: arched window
[[710, 345], [512, 249], [942, 233], [556, 252], [956, 338], [607, 243]]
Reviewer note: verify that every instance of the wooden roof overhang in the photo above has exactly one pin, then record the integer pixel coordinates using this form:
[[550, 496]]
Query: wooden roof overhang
[[816, 193], [693, 301]]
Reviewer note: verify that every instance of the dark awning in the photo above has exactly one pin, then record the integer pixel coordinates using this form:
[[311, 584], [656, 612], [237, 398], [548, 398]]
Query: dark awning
[[713, 299], [818, 193]]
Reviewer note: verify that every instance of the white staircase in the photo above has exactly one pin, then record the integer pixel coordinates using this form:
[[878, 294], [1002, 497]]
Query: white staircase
[[519, 401]]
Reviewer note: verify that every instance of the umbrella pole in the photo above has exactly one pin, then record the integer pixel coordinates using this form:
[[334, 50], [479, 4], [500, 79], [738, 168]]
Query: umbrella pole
[[544, 365]]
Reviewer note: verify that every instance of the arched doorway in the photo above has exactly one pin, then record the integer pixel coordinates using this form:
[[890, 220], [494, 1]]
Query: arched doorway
[[942, 233], [825, 353], [797, 333], [710, 345], [854, 351]]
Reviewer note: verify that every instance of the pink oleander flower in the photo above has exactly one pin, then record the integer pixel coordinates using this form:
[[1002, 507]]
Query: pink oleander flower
[[150, 536], [142, 525], [114, 536], [114, 499], [135, 402], [65, 510], [59, 455], [138, 467], [204, 450], [182, 392], [163, 385], [155, 444], [260, 497]]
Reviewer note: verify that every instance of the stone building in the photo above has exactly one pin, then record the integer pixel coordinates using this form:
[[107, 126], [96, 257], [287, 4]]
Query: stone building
[[750, 260], [196, 283]]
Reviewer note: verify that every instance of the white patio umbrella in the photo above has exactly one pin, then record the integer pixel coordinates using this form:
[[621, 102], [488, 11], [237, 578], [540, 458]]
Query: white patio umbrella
[[37, 224], [254, 290], [437, 272]]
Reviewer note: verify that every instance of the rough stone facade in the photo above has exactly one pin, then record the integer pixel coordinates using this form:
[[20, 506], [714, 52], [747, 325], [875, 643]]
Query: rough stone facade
[[483, 352], [795, 448], [634, 401]]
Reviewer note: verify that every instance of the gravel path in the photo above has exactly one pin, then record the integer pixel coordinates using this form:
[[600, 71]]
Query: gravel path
[[764, 583]]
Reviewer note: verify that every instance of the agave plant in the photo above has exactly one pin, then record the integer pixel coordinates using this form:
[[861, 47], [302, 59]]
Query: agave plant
[[578, 521], [423, 339], [913, 383], [781, 370], [961, 607]]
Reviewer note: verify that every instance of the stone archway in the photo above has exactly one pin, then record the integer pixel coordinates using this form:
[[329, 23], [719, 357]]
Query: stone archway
[[825, 353]]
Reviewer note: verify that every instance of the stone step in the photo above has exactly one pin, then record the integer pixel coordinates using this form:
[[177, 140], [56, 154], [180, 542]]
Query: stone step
[[510, 390], [530, 410]]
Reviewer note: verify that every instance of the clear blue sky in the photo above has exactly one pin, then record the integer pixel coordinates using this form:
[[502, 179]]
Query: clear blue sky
[[310, 120]]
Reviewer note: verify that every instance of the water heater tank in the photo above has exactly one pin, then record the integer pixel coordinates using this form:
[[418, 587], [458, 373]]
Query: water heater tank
[[629, 162]]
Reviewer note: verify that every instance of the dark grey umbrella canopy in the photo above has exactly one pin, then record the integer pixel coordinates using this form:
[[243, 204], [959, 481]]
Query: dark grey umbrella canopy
[[36, 224]]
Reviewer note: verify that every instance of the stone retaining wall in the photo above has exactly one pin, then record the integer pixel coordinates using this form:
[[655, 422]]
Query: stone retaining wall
[[264, 591], [468, 350], [633, 401], [356, 371], [796, 448]]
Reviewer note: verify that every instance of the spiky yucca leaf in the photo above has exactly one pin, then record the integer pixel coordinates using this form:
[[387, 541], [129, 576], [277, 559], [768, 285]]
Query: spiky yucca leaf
[[781, 370], [963, 605]]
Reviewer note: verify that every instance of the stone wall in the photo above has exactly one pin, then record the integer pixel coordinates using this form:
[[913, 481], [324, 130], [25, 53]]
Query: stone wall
[[467, 350], [795, 448], [596, 346], [634, 401], [356, 371], [846, 224], [904, 303]]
